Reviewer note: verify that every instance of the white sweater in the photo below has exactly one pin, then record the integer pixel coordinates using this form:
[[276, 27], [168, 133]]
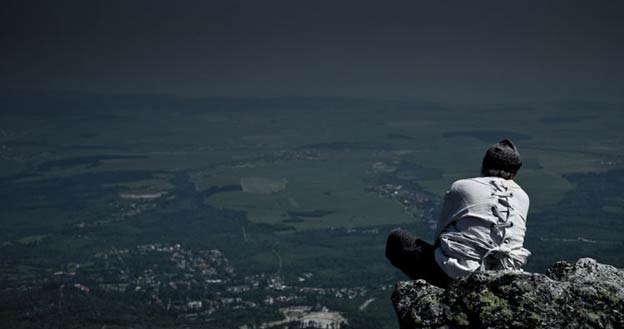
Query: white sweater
[[482, 226]]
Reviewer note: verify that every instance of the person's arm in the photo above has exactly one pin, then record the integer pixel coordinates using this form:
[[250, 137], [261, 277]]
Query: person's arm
[[449, 206]]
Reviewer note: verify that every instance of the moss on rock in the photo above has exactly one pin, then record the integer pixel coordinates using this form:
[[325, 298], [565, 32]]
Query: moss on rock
[[584, 295]]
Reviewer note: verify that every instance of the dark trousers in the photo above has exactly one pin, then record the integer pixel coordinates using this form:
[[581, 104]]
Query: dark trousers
[[415, 258]]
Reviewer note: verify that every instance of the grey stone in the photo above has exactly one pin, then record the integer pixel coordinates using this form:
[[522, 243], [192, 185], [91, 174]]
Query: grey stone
[[584, 295]]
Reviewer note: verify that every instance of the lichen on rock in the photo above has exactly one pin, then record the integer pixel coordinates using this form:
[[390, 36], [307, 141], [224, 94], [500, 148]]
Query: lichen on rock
[[584, 295]]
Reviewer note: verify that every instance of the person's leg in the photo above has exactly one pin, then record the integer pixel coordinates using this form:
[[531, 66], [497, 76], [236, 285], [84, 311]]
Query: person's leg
[[414, 257], [407, 253], [433, 273]]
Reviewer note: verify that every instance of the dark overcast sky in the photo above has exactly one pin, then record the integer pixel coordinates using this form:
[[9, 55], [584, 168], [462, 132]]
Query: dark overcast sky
[[442, 50]]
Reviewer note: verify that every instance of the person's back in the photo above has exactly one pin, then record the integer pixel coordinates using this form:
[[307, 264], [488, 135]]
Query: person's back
[[481, 227]]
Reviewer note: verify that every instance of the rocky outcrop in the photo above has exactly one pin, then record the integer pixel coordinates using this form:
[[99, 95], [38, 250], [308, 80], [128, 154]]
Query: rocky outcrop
[[584, 295]]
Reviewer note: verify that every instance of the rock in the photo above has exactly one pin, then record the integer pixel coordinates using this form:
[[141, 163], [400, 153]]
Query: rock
[[584, 295]]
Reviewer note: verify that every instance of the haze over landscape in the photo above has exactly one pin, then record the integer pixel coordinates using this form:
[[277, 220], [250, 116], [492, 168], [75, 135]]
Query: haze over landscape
[[451, 51], [238, 164]]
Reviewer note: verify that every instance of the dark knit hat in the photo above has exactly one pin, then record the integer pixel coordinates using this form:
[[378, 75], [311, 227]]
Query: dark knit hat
[[502, 156]]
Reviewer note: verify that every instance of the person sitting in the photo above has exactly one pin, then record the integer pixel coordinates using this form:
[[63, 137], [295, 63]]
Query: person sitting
[[481, 226]]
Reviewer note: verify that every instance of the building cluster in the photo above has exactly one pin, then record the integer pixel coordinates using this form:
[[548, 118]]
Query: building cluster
[[411, 200], [197, 283], [304, 317]]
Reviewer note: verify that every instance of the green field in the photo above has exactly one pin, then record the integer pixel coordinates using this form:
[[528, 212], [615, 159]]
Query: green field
[[281, 187]]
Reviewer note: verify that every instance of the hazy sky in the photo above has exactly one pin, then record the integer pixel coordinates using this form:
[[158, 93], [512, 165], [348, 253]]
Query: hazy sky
[[440, 50]]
